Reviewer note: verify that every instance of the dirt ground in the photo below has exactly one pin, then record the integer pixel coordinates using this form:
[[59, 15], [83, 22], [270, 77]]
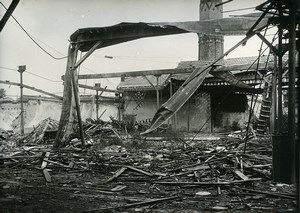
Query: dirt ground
[[162, 175]]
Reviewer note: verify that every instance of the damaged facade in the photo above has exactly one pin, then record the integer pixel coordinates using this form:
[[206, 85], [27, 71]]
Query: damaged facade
[[100, 166], [206, 109], [37, 108]]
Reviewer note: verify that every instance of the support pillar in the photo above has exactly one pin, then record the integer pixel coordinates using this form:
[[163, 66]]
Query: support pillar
[[292, 92], [284, 153]]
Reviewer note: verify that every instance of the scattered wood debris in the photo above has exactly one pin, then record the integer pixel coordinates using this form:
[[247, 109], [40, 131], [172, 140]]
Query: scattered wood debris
[[148, 175]]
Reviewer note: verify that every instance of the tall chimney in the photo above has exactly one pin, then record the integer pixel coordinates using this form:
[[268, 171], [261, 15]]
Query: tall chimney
[[210, 46]]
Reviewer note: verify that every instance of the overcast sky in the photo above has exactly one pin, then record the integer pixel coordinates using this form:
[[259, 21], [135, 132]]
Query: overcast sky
[[51, 23]]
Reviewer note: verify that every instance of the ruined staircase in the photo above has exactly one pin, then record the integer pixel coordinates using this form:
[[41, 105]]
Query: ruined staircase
[[264, 115]]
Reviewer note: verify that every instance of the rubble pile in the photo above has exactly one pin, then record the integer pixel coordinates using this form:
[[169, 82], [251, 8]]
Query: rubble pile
[[44, 128], [219, 175]]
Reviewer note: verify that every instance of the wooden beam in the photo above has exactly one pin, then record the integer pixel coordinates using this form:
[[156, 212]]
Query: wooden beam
[[31, 88], [220, 68], [268, 43], [8, 13], [87, 54], [134, 73], [99, 89]]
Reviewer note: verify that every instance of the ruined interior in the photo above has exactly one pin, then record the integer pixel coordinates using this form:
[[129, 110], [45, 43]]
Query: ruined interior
[[215, 134]]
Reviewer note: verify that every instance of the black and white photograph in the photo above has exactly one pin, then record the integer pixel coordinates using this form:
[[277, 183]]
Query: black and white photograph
[[176, 106]]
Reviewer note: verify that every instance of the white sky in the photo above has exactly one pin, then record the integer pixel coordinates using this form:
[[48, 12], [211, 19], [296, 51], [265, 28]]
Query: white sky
[[52, 22]]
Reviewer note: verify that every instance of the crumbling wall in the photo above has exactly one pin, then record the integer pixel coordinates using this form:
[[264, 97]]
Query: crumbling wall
[[198, 109], [34, 112], [8, 113], [145, 111], [88, 110], [37, 110]]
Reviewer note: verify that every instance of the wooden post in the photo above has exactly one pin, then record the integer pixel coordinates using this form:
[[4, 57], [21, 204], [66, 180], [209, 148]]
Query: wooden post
[[174, 118], [21, 70], [157, 92], [279, 72], [275, 95], [76, 96], [292, 90], [97, 99], [274, 100], [188, 115], [67, 117], [298, 134]]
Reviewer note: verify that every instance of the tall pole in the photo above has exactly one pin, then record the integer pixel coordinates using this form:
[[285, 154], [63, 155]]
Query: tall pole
[[279, 72], [292, 88], [298, 132], [21, 70]]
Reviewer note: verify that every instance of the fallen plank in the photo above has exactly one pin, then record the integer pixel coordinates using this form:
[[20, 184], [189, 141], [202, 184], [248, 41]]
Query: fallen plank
[[47, 175], [208, 183], [241, 175], [56, 163], [269, 193], [117, 174], [139, 170], [118, 188], [143, 203], [19, 157], [219, 188], [196, 164], [44, 163]]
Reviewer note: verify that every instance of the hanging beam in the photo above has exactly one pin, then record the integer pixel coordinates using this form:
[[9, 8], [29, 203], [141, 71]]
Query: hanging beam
[[31, 88]]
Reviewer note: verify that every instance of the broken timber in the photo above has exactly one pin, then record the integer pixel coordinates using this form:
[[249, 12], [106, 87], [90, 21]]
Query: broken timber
[[218, 183]]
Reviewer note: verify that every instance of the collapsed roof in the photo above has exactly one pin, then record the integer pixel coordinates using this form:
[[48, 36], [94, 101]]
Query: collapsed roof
[[123, 32]]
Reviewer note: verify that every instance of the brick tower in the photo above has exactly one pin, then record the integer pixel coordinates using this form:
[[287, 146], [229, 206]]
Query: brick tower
[[210, 46]]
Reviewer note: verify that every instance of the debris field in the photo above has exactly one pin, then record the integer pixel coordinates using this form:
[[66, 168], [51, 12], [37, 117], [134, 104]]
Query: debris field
[[117, 172]]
